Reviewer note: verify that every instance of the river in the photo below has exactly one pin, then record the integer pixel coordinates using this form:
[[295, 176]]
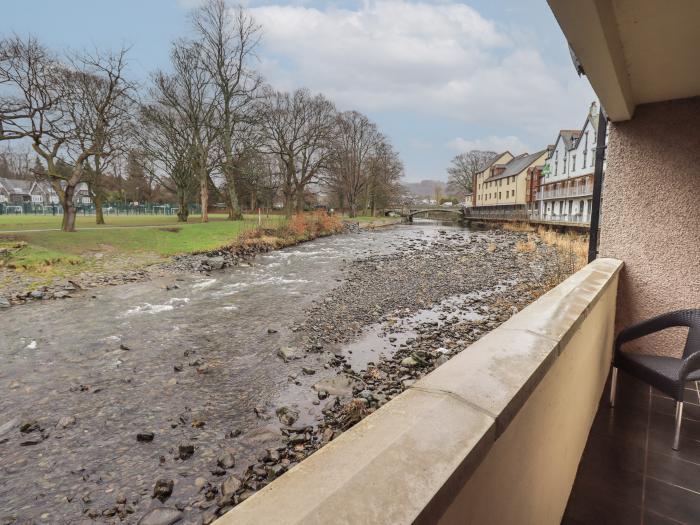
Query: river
[[192, 359]]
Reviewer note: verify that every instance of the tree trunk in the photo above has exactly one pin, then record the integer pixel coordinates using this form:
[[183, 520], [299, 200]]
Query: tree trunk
[[183, 212], [288, 202], [353, 209], [99, 215], [300, 200], [204, 194], [234, 208], [68, 224]]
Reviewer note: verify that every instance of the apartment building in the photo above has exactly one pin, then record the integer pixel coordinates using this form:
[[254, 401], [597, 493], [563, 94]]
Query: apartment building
[[565, 192]]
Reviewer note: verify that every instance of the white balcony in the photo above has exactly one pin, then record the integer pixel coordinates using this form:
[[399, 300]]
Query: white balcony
[[578, 190]]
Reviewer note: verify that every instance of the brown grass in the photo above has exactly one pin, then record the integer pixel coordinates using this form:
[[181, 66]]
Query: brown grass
[[525, 246], [518, 227]]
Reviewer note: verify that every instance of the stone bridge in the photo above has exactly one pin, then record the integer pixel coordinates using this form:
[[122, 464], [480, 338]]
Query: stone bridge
[[409, 213]]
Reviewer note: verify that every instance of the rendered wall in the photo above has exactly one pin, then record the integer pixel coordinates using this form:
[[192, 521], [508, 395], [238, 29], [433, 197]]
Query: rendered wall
[[651, 214], [527, 476]]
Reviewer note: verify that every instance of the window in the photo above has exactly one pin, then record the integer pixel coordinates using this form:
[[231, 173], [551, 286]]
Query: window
[[499, 194], [592, 155], [564, 168], [585, 148], [573, 163]]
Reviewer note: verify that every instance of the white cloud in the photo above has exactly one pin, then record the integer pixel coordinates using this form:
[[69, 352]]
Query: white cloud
[[442, 60], [491, 143]]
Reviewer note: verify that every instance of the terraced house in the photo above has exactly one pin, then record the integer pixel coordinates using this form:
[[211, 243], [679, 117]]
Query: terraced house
[[565, 193], [502, 187]]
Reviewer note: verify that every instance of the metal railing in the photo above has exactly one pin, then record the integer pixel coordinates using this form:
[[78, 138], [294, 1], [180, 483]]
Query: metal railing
[[571, 191], [573, 218]]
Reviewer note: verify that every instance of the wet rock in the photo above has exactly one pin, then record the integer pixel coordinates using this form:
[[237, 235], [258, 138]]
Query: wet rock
[[185, 451], [4, 303], [226, 460], [409, 361], [161, 516], [287, 416], [228, 489], [145, 437], [28, 426], [66, 422], [36, 294], [288, 353], [340, 385], [163, 489], [271, 331], [216, 263], [308, 371]]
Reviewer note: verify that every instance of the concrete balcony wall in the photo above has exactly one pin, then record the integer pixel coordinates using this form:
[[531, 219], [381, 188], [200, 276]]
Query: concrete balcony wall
[[493, 436]]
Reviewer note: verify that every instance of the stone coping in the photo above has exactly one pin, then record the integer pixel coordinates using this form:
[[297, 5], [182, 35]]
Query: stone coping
[[405, 462]]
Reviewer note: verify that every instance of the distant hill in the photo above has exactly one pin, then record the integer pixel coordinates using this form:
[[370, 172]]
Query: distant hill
[[424, 188]]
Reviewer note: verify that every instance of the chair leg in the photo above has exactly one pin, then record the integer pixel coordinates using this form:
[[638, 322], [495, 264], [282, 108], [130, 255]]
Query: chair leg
[[613, 386], [679, 418]]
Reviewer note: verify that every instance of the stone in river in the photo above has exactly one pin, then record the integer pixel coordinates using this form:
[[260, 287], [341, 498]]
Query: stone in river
[[163, 489], [66, 422], [287, 416], [185, 451], [226, 460], [161, 516], [145, 437], [409, 361], [287, 353], [340, 385], [229, 487], [4, 303]]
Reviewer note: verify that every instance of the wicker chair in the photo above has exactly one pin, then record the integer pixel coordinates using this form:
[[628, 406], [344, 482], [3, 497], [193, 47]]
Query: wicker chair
[[667, 374]]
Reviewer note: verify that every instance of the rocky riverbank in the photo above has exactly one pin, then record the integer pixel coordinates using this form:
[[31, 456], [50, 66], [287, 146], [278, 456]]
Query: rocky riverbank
[[116, 269], [475, 286], [155, 431]]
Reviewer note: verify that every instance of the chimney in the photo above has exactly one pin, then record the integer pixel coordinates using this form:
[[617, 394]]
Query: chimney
[[593, 111]]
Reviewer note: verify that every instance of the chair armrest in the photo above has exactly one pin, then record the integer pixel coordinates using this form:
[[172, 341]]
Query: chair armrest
[[656, 324], [690, 364]]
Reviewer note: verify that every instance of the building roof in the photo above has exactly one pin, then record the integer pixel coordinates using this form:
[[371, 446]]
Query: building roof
[[517, 165], [493, 160], [17, 186], [569, 137]]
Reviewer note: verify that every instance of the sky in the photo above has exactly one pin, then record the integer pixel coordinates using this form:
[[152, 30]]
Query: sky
[[439, 77]]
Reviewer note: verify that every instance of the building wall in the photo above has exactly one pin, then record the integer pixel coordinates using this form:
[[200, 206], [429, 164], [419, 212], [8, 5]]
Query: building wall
[[651, 214], [479, 187]]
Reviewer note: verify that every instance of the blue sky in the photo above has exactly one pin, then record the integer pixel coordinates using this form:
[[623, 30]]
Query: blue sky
[[438, 77]]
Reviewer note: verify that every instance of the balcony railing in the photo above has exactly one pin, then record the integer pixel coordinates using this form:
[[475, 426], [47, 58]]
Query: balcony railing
[[494, 435], [578, 190], [571, 218]]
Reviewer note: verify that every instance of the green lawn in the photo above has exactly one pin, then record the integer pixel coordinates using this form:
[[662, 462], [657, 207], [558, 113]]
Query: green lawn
[[59, 253]]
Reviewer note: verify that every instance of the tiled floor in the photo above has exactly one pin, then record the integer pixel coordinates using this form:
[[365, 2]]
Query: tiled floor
[[629, 474]]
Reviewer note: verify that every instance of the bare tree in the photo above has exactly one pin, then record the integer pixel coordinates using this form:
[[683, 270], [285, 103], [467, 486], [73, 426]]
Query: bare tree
[[228, 37], [190, 94], [167, 151], [101, 106], [355, 139], [463, 169], [297, 128], [385, 172], [44, 102]]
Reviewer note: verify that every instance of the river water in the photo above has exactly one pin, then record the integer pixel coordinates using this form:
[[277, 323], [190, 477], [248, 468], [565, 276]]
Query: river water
[[191, 363]]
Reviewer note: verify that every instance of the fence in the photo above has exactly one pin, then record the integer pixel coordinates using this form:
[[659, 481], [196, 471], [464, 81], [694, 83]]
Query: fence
[[29, 208]]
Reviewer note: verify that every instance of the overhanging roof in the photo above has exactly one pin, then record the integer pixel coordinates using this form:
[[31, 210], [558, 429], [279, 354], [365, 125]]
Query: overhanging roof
[[634, 51]]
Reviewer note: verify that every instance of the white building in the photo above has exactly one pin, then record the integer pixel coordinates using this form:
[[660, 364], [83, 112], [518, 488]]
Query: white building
[[565, 192]]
